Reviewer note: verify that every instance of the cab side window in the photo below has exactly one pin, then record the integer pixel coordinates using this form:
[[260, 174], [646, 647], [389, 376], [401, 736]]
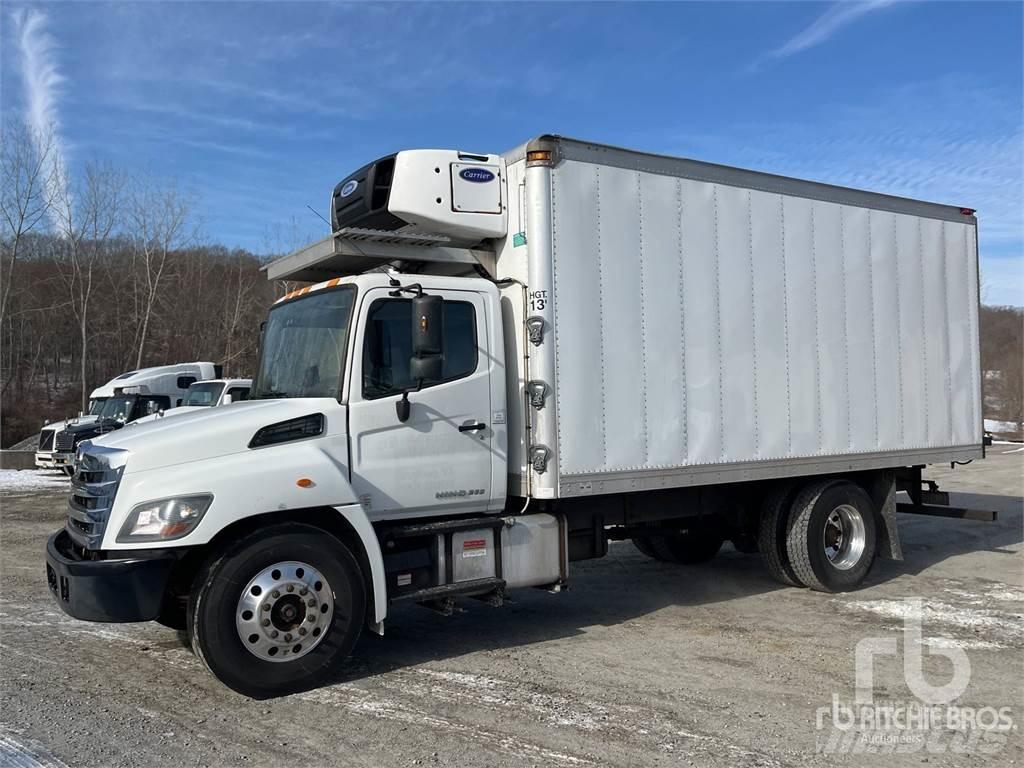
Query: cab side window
[[387, 346], [238, 394], [144, 406]]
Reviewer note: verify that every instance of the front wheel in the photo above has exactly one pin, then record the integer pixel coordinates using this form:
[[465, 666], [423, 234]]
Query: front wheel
[[275, 611]]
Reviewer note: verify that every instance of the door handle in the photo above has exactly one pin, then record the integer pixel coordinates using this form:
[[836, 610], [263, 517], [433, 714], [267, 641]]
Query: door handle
[[471, 427]]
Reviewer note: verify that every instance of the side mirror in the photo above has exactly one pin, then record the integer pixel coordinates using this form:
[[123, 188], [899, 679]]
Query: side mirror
[[226, 400], [427, 346]]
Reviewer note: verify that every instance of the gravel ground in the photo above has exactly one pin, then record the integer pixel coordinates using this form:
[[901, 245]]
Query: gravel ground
[[638, 663]]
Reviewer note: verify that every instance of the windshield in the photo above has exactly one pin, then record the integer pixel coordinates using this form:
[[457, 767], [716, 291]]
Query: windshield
[[304, 346], [206, 393], [95, 406], [117, 408]]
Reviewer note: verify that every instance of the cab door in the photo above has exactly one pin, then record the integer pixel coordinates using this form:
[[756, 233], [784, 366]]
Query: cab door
[[439, 460]]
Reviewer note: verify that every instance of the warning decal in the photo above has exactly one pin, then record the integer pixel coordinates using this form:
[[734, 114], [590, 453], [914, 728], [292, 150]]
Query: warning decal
[[474, 548]]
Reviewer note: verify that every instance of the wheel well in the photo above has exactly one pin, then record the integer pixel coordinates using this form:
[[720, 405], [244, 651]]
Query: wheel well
[[325, 518]]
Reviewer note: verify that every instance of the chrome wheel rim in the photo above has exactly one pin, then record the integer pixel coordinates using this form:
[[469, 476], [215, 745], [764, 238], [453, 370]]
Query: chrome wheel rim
[[284, 611], [845, 537]]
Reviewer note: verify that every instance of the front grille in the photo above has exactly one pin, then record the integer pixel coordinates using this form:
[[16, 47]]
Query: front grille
[[46, 439], [93, 488], [65, 440]]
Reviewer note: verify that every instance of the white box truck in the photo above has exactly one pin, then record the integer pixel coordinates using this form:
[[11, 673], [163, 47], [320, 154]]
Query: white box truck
[[503, 362]]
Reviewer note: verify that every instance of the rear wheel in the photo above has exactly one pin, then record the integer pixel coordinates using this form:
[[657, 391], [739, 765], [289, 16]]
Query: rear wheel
[[697, 543], [643, 543], [274, 612], [771, 535], [831, 539]]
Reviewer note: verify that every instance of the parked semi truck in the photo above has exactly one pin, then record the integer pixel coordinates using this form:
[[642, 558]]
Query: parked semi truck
[[503, 362], [121, 400]]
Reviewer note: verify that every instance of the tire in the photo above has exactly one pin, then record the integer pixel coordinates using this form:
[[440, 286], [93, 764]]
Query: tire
[[820, 557], [745, 545], [771, 536], [237, 648], [644, 544], [173, 616], [697, 544]]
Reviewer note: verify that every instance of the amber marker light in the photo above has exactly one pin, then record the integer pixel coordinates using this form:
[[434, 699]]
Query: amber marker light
[[304, 482]]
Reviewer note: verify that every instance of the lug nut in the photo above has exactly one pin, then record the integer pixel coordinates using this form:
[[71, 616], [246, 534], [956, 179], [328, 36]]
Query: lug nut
[[311, 603], [288, 637], [302, 630], [311, 618], [265, 622], [266, 606], [274, 633], [275, 593], [303, 591], [290, 588]]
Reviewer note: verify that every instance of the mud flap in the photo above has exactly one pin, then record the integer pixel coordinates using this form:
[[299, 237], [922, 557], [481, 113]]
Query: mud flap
[[883, 492]]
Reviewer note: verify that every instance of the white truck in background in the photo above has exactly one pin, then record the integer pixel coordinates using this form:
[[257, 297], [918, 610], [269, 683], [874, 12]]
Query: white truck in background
[[211, 393], [121, 400], [575, 343]]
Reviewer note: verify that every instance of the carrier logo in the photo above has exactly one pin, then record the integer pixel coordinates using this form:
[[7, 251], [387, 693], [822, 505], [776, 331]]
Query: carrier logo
[[349, 188], [476, 175]]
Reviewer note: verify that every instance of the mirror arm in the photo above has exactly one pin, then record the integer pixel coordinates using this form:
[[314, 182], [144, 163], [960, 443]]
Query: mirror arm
[[403, 407], [415, 288]]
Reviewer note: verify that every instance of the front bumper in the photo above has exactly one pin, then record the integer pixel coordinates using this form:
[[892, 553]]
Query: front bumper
[[54, 460], [123, 589]]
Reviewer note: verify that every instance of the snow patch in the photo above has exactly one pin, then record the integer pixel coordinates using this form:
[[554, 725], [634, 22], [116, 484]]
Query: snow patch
[[18, 480], [961, 624]]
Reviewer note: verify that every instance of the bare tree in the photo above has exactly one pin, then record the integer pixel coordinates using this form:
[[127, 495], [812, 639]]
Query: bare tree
[[25, 196], [159, 220], [87, 223]]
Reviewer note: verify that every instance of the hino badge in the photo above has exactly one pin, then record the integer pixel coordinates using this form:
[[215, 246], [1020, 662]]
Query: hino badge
[[502, 362]]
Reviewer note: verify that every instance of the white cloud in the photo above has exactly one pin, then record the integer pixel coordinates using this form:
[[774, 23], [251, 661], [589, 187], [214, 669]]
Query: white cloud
[[828, 24], [37, 61]]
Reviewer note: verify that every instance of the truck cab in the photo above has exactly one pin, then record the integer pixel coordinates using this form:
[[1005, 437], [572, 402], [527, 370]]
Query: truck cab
[[204, 394]]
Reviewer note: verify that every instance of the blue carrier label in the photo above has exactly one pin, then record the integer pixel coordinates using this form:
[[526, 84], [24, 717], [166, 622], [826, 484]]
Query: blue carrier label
[[476, 175]]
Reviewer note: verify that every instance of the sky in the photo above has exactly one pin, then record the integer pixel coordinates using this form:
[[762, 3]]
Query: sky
[[259, 109]]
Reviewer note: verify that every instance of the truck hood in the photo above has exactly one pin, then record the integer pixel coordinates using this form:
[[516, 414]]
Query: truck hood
[[212, 432], [57, 426]]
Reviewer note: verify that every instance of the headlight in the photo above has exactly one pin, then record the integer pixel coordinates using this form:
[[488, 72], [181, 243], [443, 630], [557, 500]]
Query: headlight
[[164, 519]]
